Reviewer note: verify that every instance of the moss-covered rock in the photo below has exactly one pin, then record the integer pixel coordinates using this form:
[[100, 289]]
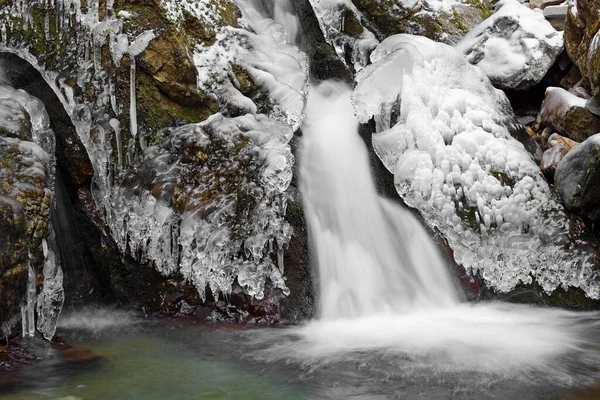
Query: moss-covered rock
[[390, 17], [581, 27]]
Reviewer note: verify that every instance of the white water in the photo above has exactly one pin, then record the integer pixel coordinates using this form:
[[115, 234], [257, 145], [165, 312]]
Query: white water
[[373, 257], [382, 284]]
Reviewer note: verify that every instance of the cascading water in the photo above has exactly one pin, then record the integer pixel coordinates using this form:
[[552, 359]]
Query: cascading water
[[373, 257]]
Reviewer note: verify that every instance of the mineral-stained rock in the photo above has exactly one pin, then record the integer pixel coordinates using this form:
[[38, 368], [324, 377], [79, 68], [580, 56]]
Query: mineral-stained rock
[[559, 146], [515, 47], [568, 114], [577, 178]]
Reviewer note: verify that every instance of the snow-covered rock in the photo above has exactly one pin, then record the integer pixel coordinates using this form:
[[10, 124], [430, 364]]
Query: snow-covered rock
[[568, 114], [443, 131], [515, 47]]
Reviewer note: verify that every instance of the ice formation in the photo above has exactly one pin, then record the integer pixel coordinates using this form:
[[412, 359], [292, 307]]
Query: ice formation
[[330, 14], [515, 47], [442, 131], [262, 49], [142, 218], [225, 179], [25, 127]]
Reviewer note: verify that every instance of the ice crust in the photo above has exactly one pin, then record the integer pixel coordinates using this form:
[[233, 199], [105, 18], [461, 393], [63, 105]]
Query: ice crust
[[442, 131], [262, 48]]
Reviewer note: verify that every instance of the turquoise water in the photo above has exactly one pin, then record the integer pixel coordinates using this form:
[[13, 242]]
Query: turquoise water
[[187, 359]]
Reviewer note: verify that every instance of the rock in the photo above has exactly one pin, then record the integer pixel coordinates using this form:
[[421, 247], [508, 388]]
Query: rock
[[436, 20], [559, 146], [515, 47], [26, 170], [568, 114], [577, 179], [541, 4], [556, 15], [581, 41]]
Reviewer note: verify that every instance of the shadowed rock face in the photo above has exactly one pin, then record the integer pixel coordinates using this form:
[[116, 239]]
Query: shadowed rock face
[[577, 179]]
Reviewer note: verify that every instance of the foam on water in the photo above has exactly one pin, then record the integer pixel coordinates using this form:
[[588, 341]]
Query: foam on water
[[96, 319]]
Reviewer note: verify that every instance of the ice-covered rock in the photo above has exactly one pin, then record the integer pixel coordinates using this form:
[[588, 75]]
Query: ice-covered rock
[[515, 47], [577, 178], [209, 203], [127, 74], [340, 23], [26, 189], [443, 131], [568, 114], [259, 56]]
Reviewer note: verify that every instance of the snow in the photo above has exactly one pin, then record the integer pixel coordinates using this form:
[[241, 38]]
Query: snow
[[515, 47], [442, 130]]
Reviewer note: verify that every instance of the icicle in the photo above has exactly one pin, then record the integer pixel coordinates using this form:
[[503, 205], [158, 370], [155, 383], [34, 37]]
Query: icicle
[[47, 26], [113, 97], [132, 98], [280, 259], [28, 309], [116, 125], [52, 297]]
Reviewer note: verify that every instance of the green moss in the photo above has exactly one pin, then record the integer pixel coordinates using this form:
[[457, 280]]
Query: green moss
[[484, 6], [351, 24], [503, 178], [459, 23], [295, 213], [468, 214]]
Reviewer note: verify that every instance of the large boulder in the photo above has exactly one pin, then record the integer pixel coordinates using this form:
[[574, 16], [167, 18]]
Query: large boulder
[[568, 114], [515, 47], [577, 179], [581, 42]]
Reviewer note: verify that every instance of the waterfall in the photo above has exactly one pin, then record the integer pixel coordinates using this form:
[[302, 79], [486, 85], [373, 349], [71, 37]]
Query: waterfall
[[381, 283], [373, 256]]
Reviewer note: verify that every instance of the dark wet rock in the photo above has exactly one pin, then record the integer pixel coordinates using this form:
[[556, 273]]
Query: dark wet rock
[[577, 179]]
